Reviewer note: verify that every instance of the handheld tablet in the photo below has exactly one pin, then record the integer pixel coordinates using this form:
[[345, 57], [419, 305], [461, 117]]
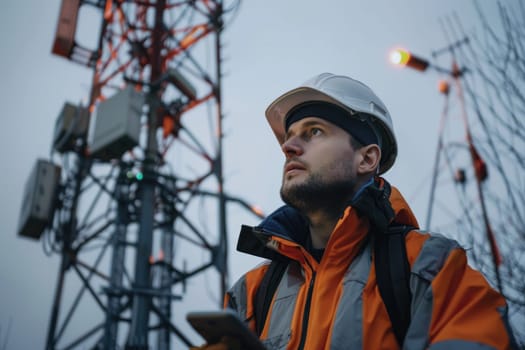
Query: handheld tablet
[[213, 325]]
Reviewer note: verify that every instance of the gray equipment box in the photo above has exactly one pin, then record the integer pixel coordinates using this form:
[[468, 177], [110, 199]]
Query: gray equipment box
[[71, 124], [117, 125], [39, 200]]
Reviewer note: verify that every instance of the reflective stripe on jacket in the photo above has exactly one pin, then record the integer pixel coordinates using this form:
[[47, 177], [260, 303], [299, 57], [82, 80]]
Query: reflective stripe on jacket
[[336, 304]]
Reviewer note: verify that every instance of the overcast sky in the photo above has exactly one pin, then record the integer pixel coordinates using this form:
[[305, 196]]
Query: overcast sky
[[270, 47]]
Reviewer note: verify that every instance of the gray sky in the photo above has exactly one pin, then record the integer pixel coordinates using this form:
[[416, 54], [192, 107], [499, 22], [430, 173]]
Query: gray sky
[[270, 47]]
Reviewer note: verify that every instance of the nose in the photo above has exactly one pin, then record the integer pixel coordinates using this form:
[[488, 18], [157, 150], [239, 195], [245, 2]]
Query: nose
[[292, 147]]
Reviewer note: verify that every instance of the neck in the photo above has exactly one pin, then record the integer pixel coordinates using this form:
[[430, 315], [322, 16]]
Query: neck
[[321, 227], [322, 221]]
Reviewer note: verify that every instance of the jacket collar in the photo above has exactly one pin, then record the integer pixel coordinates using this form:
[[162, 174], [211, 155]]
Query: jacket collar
[[286, 223]]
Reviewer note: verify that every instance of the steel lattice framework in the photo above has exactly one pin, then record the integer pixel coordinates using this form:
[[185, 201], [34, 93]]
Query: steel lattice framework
[[477, 193], [132, 230]]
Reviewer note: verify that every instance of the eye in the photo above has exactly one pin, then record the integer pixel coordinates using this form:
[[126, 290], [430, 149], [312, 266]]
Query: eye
[[315, 131]]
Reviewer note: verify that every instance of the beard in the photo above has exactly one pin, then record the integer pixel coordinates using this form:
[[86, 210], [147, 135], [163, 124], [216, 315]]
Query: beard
[[318, 194]]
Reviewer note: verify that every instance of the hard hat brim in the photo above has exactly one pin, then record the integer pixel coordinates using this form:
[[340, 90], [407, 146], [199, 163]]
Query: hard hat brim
[[279, 109]]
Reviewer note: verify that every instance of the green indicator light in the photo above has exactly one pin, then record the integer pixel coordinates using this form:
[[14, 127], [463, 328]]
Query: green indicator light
[[139, 176]]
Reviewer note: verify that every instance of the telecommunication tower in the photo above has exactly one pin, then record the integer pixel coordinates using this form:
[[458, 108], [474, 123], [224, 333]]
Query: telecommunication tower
[[136, 206]]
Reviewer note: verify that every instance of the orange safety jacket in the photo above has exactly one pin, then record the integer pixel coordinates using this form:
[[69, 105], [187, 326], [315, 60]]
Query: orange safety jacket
[[336, 303]]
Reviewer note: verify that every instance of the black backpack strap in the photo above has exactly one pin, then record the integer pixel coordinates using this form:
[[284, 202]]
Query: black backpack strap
[[393, 274], [267, 288]]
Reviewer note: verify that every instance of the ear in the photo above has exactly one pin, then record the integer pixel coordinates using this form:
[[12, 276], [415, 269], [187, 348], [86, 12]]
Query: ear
[[369, 158]]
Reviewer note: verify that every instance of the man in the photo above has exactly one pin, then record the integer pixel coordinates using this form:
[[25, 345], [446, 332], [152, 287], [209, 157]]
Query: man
[[337, 138]]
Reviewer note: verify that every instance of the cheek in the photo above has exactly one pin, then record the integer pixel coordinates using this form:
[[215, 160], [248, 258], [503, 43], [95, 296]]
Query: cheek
[[333, 157], [343, 170], [346, 161], [336, 165]]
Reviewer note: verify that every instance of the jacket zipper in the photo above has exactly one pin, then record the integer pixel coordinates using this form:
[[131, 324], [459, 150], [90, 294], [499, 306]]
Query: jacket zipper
[[307, 311]]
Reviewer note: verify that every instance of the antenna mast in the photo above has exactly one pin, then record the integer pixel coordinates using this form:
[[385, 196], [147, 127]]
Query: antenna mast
[[138, 207]]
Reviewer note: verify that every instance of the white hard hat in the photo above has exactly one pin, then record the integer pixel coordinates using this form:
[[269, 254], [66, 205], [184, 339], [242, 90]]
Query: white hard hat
[[352, 95]]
